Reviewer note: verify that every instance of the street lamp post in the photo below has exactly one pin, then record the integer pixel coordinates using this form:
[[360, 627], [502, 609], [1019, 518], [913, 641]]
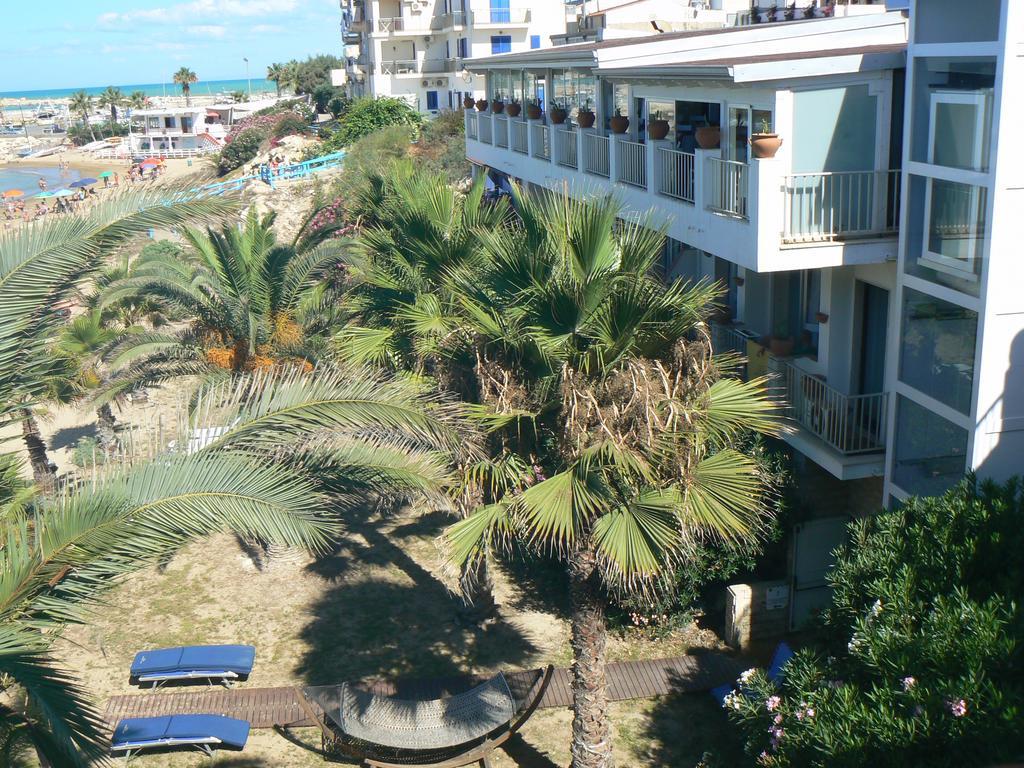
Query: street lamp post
[[248, 79]]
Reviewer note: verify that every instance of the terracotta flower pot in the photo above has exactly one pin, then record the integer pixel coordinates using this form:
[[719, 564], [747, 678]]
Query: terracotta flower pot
[[497, 107], [586, 118], [467, 102], [558, 115], [765, 145], [481, 105], [709, 136], [657, 129], [513, 109], [619, 124], [533, 111], [781, 347]]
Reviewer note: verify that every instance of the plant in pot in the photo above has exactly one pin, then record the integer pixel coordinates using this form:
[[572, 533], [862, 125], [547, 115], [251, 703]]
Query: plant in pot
[[708, 136], [781, 342], [481, 105], [790, 13], [764, 144], [514, 108], [619, 124], [586, 117], [558, 114], [498, 104], [467, 101], [657, 126], [533, 109]]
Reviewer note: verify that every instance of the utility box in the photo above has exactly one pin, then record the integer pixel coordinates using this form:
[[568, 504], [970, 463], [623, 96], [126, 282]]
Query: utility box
[[755, 612]]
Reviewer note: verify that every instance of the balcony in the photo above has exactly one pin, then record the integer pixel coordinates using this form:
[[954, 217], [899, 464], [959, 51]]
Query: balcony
[[397, 26], [500, 17], [836, 206], [400, 67]]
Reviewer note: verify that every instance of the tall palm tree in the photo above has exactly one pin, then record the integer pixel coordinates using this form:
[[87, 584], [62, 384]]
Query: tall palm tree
[[81, 104], [137, 99], [290, 75], [246, 295], [185, 77], [114, 99], [601, 381], [275, 73]]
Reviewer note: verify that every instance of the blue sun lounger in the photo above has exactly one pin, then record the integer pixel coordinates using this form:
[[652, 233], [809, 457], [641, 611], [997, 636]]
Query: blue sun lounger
[[774, 673], [223, 663], [204, 732]]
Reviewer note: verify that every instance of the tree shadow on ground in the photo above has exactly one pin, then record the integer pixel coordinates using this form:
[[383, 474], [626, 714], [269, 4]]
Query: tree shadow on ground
[[68, 437], [391, 618], [542, 581], [684, 727]]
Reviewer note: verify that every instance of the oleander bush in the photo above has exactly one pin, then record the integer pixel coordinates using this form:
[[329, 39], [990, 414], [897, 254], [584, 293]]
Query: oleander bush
[[243, 148], [922, 659]]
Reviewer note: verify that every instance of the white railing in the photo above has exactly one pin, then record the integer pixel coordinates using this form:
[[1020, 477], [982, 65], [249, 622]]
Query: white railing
[[519, 136], [632, 165], [727, 185], [540, 142], [675, 174], [850, 424], [501, 16], [726, 339], [833, 206], [398, 67], [485, 129], [107, 154], [566, 151], [595, 155], [501, 131], [472, 119]]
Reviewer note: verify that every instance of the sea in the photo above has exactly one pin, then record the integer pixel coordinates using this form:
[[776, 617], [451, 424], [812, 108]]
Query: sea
[[202, 88], [26, 178]]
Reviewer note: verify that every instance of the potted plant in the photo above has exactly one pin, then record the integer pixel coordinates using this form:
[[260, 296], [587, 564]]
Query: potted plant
[[467, 101], [790, 13], [586, 117], [764, 143], [708, 136], [558, 114], [514, 108], [781, 343], [619, 124], [657, 127], [533, 110], [497, 104], [481, 105]]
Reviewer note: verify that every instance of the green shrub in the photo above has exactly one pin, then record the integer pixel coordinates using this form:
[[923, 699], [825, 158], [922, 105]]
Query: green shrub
[[364, 116], [322, 94], [87, 453], [243, 148], [337, 106], [289, 125], [921, 664]]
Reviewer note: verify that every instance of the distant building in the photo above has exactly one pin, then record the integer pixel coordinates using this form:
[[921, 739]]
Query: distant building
[[597, 20], [415, 49], [178, 131]]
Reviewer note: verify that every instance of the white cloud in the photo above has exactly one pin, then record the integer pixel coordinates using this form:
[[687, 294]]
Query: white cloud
[[207, 30], [199, 10], [267, 29]]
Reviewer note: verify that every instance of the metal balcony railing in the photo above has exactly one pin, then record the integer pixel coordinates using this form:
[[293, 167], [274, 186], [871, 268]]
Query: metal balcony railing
[[415, 66], [850, 424], [501, 16], [486, 129], [471, 124], [632, 165], [566, 148], [675, 174], [519, 136], [596, 158], [501, 131], [833, 206], [540, 142], [728, 187]]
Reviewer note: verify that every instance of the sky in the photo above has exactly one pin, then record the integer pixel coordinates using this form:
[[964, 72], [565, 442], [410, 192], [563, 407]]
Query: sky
[[86, 43]]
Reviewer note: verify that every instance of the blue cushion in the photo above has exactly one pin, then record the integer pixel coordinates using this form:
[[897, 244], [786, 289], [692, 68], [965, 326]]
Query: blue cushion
[[721, 692], [213, 658], [782, 654], [154, 731]]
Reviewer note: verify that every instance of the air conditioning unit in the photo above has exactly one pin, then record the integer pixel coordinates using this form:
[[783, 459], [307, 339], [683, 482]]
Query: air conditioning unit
[[425, 83], [427, 39], [439, 81]]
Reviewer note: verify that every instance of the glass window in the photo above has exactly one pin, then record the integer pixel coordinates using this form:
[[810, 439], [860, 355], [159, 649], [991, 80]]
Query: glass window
[[953, 21], [432, 101], [500, 12], [937, 348], [930, 452], [952, 115], [535, 41], [501, 44]]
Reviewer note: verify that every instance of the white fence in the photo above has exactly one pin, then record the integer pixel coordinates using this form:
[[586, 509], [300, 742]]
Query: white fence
[[833, 206], [595, 155], [501, 131], [727, 185], [540, 142], [485, 129], [472, 120], [632, 164], [566, 148], [519, 136], [675, 174], [123, 152]]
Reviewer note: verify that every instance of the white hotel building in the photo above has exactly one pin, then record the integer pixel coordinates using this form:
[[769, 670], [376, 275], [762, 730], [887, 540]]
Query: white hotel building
[[873, 263]]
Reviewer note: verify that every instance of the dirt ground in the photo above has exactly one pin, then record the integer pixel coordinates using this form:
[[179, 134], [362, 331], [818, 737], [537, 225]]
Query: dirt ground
[[380, 606]]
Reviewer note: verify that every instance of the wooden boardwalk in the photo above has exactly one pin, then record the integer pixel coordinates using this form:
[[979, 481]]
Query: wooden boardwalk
[[270, 707]]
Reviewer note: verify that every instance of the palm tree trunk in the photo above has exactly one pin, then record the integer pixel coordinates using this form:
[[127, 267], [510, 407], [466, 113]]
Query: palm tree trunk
[[591, 740], [92, 133], [105, 424], [43, 472], [477, 588]]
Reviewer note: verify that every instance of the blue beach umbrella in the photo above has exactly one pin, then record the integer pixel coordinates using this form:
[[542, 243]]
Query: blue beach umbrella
[[63, 193], [46, 194], [82, 183]]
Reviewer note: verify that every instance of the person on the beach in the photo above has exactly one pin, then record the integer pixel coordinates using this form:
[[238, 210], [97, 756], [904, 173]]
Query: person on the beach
[[42, 183]]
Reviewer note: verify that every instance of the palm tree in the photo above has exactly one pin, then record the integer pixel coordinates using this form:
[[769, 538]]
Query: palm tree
[[247, 297], [275, 72], [185, 77], [112, 98], [290, 75], [137, 99], [81, 104], [601, 383]]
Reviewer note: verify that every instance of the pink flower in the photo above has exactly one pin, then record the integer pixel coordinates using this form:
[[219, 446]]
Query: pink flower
[[908, 683], [957, 707], [772, 703], [777, 719], [810, 712]]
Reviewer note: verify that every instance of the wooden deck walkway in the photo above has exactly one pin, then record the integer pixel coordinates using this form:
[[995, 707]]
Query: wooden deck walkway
[[270, 707]]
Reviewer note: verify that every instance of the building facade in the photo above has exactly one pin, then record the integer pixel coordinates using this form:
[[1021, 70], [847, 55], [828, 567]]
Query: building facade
[[416, 49], [866, 261]]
